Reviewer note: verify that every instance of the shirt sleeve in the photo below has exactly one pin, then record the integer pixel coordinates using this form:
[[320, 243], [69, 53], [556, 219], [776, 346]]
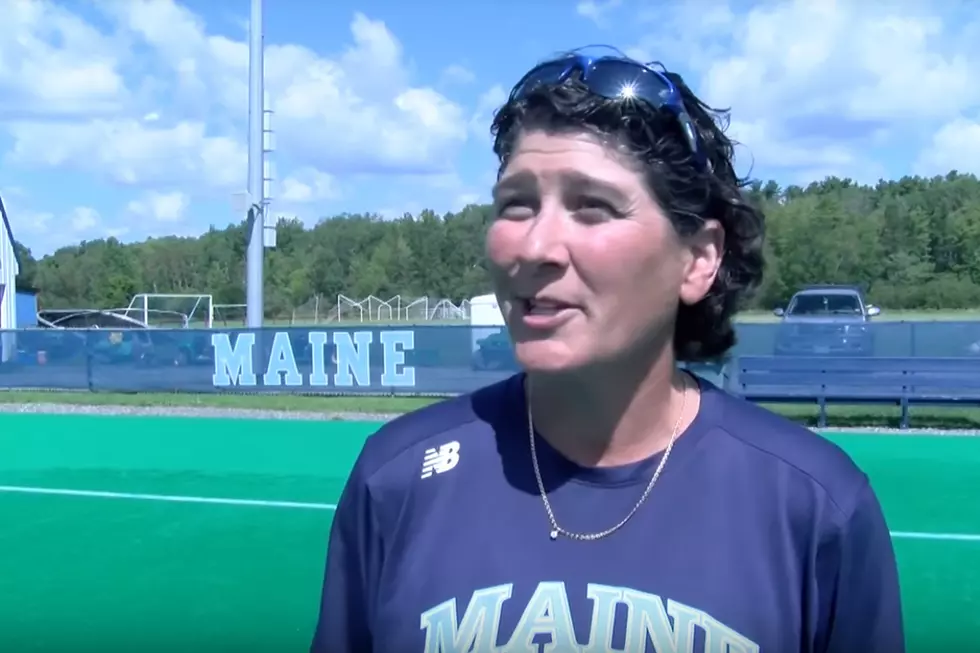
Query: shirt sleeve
[[862, 590], [353, 566]]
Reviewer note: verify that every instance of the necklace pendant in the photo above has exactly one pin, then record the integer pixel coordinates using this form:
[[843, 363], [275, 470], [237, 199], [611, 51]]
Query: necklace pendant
[[554, 534]]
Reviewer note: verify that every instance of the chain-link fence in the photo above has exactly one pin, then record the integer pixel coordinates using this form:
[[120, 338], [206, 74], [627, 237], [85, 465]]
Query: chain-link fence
[[343, 309]]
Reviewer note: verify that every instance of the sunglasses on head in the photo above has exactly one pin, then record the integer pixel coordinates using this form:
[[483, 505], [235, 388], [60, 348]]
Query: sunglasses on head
[[617, 78]]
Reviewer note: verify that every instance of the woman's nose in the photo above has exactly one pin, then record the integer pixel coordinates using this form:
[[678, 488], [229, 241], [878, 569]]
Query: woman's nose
[[546, 240]]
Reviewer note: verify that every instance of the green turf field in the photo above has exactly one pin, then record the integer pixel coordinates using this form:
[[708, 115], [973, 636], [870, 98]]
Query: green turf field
[[128, 555]]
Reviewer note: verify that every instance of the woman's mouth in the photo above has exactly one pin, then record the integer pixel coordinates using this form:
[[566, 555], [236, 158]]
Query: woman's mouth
[[541, 313]]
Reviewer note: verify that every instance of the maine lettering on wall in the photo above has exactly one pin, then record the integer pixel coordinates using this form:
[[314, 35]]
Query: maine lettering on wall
[[295, 359]]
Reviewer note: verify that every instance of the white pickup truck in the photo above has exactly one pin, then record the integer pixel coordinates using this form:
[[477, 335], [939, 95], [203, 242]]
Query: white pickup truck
[[826, 321]]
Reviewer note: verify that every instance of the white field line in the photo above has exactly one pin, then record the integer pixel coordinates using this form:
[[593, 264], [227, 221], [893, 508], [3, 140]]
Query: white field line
[[95, 494], [329, 507], [943, 537]]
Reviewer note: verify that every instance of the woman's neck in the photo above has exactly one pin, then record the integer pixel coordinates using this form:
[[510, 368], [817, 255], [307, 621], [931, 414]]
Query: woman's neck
[[613, 414]]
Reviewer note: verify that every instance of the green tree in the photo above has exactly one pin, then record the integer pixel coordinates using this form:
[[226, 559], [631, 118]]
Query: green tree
[[912, 242]]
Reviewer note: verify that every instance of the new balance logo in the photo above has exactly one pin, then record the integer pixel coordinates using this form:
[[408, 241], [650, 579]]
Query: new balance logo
[[440, 460]]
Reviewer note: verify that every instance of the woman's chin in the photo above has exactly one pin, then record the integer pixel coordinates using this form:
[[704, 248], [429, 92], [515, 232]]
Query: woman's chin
[[547, 356]]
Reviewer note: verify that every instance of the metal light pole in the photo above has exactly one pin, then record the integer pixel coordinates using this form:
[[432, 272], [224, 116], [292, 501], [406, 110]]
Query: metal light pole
[[254, 260]]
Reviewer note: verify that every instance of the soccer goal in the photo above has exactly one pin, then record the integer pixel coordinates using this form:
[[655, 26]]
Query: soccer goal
[[233, 315], [172, 310]]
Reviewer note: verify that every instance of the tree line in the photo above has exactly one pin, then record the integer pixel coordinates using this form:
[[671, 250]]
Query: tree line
[[913, 243]]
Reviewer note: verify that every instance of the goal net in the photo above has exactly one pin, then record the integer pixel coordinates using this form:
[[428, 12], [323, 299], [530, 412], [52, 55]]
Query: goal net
[[172, 310], [230, 315]]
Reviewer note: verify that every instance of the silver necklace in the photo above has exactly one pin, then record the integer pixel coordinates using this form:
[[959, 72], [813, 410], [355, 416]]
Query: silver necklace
[[557, 530]]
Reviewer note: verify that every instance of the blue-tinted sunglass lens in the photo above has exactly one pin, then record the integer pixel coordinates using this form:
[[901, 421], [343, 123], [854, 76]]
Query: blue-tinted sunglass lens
[[625, 80], [550, 73]]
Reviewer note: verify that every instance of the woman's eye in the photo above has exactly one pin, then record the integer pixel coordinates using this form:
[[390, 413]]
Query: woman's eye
[[514, 208], [595, 210]]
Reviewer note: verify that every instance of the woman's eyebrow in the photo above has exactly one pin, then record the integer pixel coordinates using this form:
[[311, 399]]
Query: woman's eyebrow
[[576, 182], [516, 183]]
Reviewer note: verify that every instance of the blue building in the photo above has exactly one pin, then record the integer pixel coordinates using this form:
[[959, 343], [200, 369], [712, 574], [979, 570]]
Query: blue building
[[25, 301]]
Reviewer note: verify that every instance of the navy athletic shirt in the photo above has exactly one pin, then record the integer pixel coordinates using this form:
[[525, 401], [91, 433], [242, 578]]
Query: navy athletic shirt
[[759, 536]]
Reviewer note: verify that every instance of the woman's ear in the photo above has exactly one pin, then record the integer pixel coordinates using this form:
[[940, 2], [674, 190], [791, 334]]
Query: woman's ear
[[706, 248]]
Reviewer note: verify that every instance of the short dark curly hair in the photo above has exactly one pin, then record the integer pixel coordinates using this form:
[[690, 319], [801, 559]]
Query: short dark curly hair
[[688, 192]]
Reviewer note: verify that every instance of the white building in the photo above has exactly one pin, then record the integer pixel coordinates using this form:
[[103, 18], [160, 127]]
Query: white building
[[9, 269], [485, 318]]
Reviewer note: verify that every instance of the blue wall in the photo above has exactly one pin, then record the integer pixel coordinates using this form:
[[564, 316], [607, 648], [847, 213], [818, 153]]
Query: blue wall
[[373, 360], [26, 303], [438, 360]]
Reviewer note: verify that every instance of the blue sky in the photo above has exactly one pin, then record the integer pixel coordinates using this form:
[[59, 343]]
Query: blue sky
[[128, 118]]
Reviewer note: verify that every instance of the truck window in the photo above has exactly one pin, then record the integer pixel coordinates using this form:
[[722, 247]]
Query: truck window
[[836, 304]]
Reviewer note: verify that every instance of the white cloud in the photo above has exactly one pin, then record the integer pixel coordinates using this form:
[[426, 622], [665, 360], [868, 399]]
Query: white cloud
[[457, 74], [805, 159], [596, 10], [129, 152], [53, 63], [308, 185], [83, 219], [11, 191], [954, 146], [160, 207], [465, 199], [357, 112], [816, 83], [864, 61], [43, 231], [26, 224], [689, 32], [490, 100], [458, 191]]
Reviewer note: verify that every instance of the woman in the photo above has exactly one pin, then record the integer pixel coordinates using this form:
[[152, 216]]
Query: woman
[[603, 499]]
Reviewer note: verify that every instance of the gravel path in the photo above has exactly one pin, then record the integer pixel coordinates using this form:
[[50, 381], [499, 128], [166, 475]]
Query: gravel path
[[241, 413], [192, 411], [912, 431]]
